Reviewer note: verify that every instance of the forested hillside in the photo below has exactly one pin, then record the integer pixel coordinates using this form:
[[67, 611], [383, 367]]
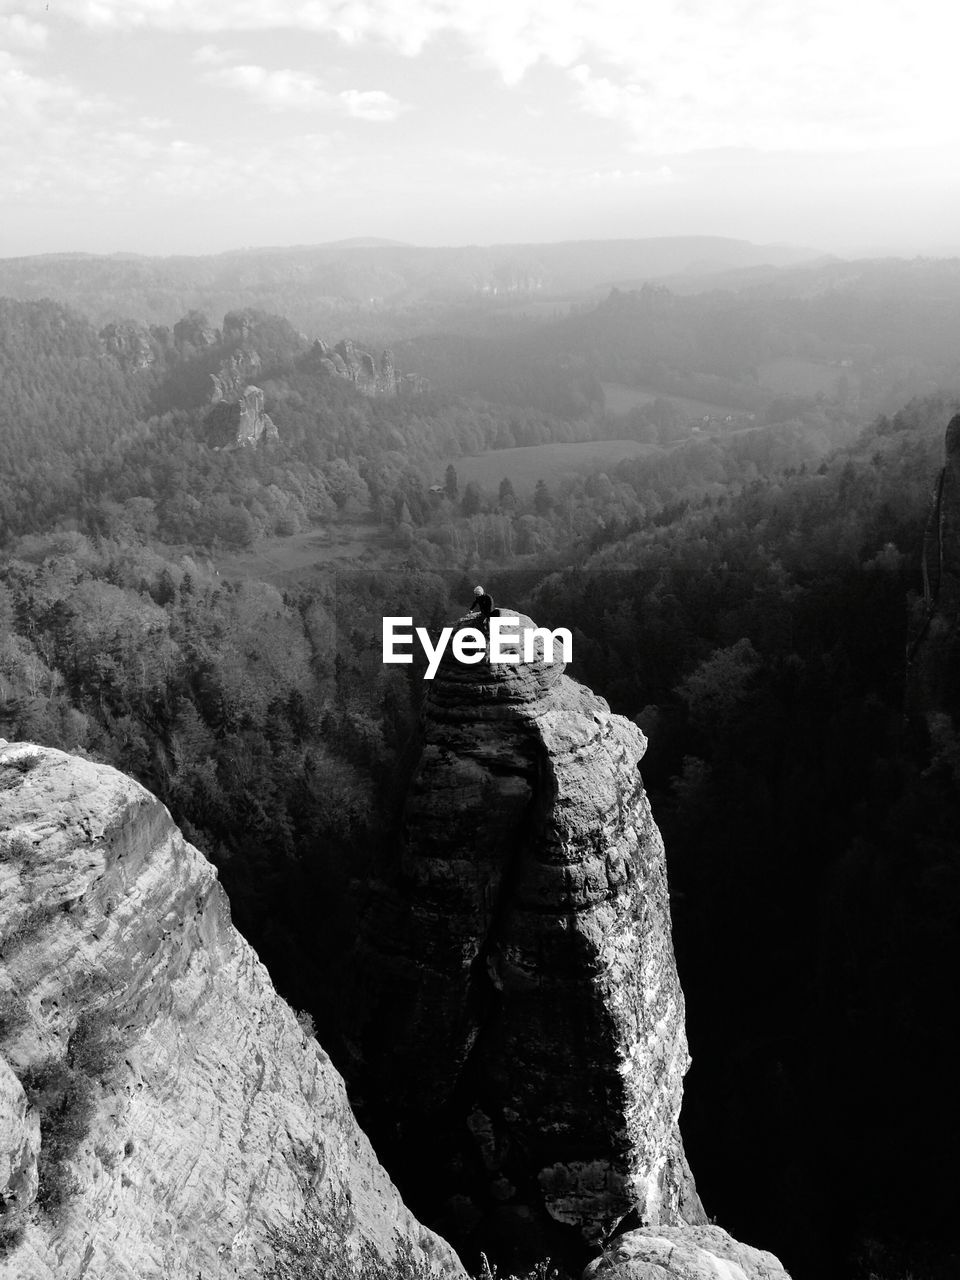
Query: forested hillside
[[743, 594], [761, 642], [91, 438], [865, 336], [359, 287]]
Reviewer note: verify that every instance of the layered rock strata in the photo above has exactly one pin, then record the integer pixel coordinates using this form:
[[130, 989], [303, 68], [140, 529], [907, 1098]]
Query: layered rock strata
[[515, 1001], [162, 1113], [933, 656]]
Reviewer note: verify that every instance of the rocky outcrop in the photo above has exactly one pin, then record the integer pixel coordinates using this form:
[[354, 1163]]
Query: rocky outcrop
[[162, 1113], [515, 1001], [239, 327], [130, 345], [370, 375], [511, 278], [235, 375], [683, 1253], [933, 656], [19, 1149], [194, 332], [240, 422], [237, 418]]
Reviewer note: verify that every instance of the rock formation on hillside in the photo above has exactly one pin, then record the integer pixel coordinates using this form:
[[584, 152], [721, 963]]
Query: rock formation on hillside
[[933, 657], [235, 375], [240, 421], [371, 376], [129, 344], [511, 277], [237, 418], [238, 327], [162, 1114], [194, 331], [516, 1012], [683, 1253]]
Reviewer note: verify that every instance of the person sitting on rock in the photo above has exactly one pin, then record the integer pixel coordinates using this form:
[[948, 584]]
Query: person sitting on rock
[[483, 607]]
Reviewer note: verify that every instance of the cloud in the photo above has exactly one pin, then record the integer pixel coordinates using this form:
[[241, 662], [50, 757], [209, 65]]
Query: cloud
[[212, 55], [63, 145], [369, 104], [131, 172], [661, 176], [275, 89], [28, 99], [18, 32], [298, 90], [674, 74]]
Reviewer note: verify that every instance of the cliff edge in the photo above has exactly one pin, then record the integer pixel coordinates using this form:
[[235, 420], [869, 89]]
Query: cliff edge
[[162, 1113]]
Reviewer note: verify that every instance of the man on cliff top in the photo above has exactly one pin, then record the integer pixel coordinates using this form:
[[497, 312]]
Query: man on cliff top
[[483, 606]]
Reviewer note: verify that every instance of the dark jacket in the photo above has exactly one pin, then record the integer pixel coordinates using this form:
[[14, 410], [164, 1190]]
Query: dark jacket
[[483, 605]]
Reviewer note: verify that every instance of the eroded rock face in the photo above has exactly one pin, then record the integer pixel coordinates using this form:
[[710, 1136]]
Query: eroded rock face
[[683, 1253], [236, 373], [933, 670], [183, 1115], [237, 418], [371, 375], [19, 1146], [520, 1009]]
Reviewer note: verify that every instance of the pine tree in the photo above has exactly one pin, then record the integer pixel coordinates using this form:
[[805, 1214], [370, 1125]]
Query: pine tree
[[471, 503]]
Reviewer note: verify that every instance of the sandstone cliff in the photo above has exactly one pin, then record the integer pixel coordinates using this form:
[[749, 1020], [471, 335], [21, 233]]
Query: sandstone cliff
[[516, 1003], [237, 418], [933, 658], [370, 375], [162, 1114]]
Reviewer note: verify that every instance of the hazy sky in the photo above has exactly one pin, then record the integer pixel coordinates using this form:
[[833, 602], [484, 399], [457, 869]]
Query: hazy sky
[[190, 126]]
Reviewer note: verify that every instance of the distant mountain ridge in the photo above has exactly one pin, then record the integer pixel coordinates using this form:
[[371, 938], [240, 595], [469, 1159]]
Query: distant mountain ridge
[[306, 283]]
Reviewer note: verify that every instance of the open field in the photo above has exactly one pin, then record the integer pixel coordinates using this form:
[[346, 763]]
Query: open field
[[621, 399], [548, 462], [350, 545]]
